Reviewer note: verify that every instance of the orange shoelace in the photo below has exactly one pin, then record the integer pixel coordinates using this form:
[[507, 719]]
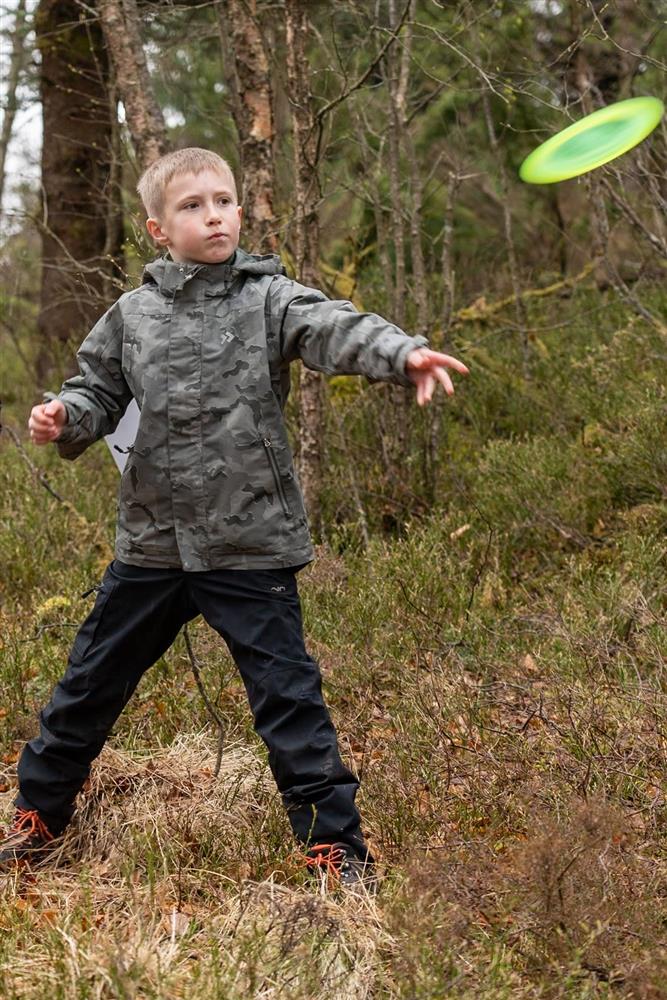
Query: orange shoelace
[[37, 825], [327, 857]]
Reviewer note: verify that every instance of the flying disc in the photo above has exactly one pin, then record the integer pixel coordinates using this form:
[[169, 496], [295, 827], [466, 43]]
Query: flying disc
[[592, 141]]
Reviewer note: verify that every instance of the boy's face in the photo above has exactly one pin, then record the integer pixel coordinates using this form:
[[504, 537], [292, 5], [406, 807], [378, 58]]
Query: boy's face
[[195, 207]]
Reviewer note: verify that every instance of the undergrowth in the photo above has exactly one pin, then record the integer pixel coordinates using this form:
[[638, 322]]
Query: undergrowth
[[489, 618]]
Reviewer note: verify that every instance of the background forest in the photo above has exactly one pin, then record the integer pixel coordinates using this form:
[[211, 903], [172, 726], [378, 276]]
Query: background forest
[[488, 604]]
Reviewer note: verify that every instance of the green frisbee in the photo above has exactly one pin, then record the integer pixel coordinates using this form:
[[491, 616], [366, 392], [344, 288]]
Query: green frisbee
[[592, 141]]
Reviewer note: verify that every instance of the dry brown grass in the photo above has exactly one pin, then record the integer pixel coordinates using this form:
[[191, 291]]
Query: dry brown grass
[[133, 904]]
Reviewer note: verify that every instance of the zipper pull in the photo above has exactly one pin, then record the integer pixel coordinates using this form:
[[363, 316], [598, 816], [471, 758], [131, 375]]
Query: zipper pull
[[266, 442]]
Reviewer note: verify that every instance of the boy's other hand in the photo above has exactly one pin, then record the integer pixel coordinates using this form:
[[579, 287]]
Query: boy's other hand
[[46, 421], [425, 368]]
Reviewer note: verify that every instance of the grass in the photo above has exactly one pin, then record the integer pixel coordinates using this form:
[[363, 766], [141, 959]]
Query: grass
[[494, 661]]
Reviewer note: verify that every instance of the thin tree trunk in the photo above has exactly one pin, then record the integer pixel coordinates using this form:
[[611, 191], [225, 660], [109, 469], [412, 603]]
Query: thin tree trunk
[[416, 248], [521, 315], [122, 31], [16, 63], [113, 246], [306, 242], [397, 75], [396, 84], [448, 271], [417, 184], [248, 72], [373, 193]]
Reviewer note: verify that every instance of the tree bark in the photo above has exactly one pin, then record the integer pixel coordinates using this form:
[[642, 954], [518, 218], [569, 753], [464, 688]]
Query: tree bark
[[250, 81], [397, 77], [521, 315], [306, 242], [76, 166], [16, 63], [448, 270], [122, 32]]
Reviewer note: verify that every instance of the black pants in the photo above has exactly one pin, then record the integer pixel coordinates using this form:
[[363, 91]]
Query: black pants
[[137, 615]]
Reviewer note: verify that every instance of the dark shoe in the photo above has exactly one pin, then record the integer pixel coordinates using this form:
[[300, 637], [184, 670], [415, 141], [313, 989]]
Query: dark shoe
[[339, 866], [27, 840]]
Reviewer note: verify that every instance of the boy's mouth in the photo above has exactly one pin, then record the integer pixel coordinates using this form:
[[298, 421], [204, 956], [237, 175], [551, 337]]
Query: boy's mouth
[[216, 236]]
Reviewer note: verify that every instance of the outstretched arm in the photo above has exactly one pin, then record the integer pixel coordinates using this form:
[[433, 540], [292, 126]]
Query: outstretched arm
[[331, 336]]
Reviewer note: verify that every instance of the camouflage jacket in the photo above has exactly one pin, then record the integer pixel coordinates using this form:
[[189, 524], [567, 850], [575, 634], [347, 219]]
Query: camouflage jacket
[[205, 350]]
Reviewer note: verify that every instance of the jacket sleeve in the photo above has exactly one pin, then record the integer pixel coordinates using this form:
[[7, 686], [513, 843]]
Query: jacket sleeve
[[97, 398], [331, 336]]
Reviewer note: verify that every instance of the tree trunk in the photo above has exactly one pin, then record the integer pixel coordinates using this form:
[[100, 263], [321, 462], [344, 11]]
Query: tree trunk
[[113, 247], [519, 306], [397, 76], [448, 270], [122, 32], [250, 81], [75, 175], [16, 63], [306, 242]]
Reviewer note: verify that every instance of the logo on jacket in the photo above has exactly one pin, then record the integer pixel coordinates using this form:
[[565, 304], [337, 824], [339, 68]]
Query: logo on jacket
[[277, 588]]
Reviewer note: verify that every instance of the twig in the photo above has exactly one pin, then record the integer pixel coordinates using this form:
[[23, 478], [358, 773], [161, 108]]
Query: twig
[[195, 670], [362, 79], [19, 350], [102, 545], [482, 565], [655, 241]]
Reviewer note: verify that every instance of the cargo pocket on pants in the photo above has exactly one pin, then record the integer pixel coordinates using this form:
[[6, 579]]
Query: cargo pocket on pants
[[89, 630]]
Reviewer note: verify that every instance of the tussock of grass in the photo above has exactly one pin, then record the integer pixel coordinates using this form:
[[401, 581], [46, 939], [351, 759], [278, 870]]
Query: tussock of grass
[[156, 886]]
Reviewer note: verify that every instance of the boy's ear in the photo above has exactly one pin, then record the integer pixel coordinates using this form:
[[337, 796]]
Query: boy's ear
[[155, 231]]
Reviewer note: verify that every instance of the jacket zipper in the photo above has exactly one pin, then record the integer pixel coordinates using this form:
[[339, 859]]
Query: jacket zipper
[[276, 475]]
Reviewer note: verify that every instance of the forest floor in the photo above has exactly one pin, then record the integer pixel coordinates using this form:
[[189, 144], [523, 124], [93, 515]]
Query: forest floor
[[496, 673]]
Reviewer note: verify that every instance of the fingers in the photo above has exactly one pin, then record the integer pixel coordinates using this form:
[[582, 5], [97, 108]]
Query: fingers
[[443, 377], [434, 357], [427, 382], [425, 389]]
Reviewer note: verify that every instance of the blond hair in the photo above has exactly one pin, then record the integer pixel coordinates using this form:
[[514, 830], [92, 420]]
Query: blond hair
[[153, 182]]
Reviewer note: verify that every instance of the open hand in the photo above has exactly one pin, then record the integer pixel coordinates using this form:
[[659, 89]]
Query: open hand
[[426, 368], [46, 421]]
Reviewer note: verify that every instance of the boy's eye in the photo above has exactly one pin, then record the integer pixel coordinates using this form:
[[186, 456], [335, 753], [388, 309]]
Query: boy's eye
[[225, 199]]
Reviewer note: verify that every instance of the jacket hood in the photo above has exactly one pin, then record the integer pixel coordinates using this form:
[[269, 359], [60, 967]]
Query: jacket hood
[[170, 276]]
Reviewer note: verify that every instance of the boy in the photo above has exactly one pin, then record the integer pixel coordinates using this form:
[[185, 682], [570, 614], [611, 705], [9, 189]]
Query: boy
[[210, 517]]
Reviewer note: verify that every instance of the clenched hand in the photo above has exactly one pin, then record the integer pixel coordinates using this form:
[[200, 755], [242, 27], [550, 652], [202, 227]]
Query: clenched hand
[[46, 421]]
